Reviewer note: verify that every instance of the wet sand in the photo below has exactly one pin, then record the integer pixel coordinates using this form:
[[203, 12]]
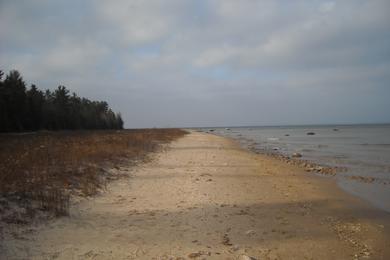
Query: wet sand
[[205, 198]]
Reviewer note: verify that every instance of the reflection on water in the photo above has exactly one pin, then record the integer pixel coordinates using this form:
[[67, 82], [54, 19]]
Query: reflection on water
[[363, 149]]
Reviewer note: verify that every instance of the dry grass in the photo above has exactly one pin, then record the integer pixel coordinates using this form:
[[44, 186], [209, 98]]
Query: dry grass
[[40, 171]]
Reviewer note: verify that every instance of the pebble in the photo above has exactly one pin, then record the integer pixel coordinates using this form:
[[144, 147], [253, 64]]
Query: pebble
[[235, 248], [245, 257], [250, 232], [194, 255]]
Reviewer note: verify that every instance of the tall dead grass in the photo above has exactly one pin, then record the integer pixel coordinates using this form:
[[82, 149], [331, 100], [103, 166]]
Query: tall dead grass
[[40, 171]]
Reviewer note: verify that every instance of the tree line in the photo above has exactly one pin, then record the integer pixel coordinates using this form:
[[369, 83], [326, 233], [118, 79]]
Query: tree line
[[31, 109]]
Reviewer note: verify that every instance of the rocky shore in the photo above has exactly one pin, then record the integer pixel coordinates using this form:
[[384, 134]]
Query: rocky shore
[[296, 159]]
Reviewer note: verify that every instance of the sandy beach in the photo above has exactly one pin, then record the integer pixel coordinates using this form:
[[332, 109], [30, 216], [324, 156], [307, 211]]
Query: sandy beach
[[206, 198]]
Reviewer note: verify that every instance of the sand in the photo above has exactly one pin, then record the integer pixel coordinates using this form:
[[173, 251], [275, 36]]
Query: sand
[[205, 198]]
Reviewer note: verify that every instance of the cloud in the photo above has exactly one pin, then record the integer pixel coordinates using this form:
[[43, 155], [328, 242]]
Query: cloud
[[207, 62], [327, 6], [216, 56]]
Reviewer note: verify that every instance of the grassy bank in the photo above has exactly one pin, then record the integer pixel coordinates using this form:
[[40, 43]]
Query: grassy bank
[[40, 171]]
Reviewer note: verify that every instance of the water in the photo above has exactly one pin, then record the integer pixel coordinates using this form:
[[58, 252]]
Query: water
[[364, 150]]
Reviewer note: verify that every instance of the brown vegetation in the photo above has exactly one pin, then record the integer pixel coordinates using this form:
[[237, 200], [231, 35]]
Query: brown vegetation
[[39, 171]]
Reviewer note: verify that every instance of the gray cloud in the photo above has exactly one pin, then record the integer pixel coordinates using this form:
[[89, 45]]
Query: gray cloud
[[188, 63]]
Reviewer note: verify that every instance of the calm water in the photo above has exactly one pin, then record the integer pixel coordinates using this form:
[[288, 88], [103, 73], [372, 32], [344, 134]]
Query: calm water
[[363, 149]]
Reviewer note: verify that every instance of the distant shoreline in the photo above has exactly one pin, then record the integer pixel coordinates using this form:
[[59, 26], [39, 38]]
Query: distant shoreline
[[287, 126]]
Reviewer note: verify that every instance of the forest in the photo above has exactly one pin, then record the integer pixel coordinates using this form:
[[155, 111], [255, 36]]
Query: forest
[[25, 109]]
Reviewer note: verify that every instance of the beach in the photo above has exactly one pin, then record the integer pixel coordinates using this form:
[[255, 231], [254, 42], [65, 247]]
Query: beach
[[357, 156], [204, 197]]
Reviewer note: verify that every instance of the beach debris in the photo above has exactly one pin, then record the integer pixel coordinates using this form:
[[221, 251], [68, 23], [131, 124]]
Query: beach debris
[[296, 155], [308, 166], [245, 257], [198, 254], [286, 135], [361, 178], [226, 240], [227, 129], [272, 256], [310, 133], [235, 248], [348, 232], [194, 255], [335, 129], [250, 232], [243, 212]]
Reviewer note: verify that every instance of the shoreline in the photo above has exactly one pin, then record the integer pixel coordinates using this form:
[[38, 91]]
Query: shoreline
[[206, 197], [376, 190], [312, 167]]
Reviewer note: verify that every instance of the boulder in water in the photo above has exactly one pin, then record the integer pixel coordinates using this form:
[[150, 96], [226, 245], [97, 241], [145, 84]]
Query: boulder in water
[[296, 155]]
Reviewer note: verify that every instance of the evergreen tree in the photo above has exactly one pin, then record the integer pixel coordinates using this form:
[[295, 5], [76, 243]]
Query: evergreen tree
[[35, 101], [33, 109], [3, 106], [14, 98]]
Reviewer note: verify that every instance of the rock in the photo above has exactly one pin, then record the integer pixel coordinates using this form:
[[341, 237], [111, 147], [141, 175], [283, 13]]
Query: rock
[[226, 240], [199, 254], [195, 255], [296, 155], [335, 129], [286, 135], [250, 232], [245, 257], [310, 133], [235, 248], [272, 256]]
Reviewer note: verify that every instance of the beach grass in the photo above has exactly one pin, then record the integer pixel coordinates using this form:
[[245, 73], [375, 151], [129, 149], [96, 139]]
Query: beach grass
[[40, 171]]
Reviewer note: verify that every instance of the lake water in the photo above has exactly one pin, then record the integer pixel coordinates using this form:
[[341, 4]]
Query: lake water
[[364, 150]]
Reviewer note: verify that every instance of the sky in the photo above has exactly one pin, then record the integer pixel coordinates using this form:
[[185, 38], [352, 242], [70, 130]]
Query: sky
[[185, 63]]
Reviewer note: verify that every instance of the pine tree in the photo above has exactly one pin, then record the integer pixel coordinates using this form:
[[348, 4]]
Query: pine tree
[[14, 96], [31, 110]]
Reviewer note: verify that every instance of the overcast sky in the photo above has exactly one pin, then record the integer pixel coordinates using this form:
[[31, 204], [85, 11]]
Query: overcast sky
[[167, 63]]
